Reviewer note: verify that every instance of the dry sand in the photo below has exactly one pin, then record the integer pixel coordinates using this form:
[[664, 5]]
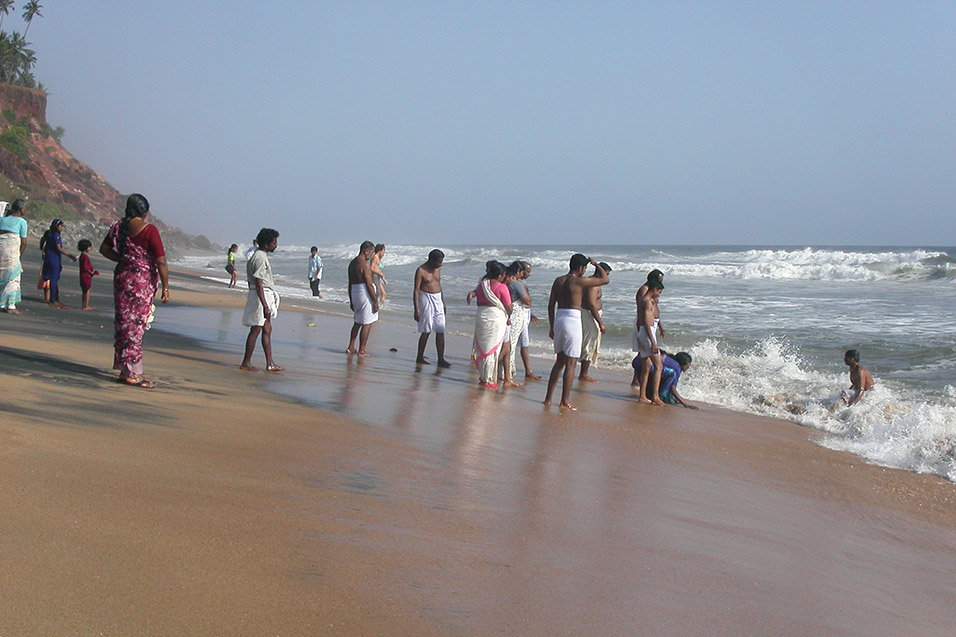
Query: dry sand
[[224, 502]]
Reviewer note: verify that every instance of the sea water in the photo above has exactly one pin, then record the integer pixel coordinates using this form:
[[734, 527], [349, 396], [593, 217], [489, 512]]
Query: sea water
[[766, 326]]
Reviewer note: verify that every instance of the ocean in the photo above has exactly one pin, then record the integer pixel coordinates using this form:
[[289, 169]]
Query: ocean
[[766, 326]]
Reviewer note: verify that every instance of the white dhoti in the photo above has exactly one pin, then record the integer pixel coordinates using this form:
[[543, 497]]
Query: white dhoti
[[254, 314], [591, 334], [519, 318], [567, 332], [643, 343], [491, 323], [362, 304], [431, 313]]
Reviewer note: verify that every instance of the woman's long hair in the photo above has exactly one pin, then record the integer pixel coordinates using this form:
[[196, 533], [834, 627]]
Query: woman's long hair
[[47, 233], [136, 206]]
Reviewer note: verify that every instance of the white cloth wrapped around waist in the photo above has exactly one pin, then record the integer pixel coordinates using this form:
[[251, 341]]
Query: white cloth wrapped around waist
[[431, 313], [253, 314], [591, 344], [363, 310], [568, 332]]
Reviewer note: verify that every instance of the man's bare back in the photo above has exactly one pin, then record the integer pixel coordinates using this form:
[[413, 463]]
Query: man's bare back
[[359, 270]]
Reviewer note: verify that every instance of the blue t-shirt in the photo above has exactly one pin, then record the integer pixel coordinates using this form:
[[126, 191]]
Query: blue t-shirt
[[15, 224]]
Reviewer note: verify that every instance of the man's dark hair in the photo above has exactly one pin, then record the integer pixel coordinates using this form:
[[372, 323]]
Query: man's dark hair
[[314, 249], [515, 268], [654, 285], [379, 247], [654, 275], [435, 255], [683, 359], [604, 266], [578, 261], [852, 353], [84, 244], [266, 236], [366, 245]]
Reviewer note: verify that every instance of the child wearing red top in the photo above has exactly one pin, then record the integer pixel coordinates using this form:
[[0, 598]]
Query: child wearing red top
[[86, 271]]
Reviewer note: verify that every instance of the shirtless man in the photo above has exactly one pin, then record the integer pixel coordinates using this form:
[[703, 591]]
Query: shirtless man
[[429, 303], [645, 342], [860, 379], [566, 293], [362, 298], [653, 275], [592, 325], [378, 274]]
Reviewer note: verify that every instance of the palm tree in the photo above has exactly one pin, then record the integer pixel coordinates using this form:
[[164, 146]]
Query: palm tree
[[5, 6], [30, 9]]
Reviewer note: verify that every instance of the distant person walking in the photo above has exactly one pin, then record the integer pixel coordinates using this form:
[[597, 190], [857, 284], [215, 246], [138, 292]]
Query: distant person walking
[[429, 303], [52, 245], [378, 272], [564, 316], [315, 272], [13, 242], [362, 298], [231, 265], [137, 249], [262, 303]]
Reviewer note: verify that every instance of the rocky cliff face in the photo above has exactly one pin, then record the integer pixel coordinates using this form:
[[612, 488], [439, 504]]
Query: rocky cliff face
[[54, 181]]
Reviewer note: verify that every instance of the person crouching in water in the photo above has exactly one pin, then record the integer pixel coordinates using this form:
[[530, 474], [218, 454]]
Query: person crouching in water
[[671, 369], [860, 379], [262, 304]]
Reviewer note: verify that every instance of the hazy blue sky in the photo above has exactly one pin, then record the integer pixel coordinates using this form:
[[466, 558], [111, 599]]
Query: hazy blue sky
[[520, 122]]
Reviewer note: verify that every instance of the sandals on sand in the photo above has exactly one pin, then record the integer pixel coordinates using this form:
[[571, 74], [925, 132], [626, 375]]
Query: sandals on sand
[[142, 381]]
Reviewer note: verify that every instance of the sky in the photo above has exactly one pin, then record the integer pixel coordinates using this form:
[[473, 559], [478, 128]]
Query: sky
[[758, 123]]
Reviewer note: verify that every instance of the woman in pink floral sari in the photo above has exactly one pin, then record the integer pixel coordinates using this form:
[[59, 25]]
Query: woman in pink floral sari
[[138, 250]]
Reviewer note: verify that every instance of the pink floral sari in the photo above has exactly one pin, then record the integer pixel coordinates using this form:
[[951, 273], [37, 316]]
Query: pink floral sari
[[134, 286]]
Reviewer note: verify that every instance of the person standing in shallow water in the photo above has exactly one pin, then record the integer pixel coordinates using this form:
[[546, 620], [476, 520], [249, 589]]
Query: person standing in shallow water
[[592, 308], [137, 249], [861, 380], [362, 298], [429, 303], [566, 295], [262, 303], [378, 272], [315, 271]]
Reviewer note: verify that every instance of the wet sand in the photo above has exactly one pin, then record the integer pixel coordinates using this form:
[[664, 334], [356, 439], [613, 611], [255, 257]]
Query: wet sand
[[365, 497]]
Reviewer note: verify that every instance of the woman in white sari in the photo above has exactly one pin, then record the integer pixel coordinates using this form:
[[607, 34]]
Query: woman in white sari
[[13, 241], [491, 322]]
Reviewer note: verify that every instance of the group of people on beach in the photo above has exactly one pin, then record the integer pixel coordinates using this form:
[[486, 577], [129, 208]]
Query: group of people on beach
[[502, 319], [13, 243], [503, 315]]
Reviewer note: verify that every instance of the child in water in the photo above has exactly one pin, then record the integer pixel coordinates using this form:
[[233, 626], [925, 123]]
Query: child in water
[[860, 379], [86, 271]]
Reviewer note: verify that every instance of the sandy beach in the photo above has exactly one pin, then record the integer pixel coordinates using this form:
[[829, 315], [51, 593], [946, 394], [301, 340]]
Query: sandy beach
[[368, 497]]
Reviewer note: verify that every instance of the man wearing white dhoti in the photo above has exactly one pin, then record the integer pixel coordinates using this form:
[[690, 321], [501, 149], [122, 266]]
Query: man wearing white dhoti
[[362, 298], [592, 326], [429, 303], [564, 316]]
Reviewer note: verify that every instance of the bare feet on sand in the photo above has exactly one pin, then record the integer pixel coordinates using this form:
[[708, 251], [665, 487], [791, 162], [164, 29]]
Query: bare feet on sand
[[531, 376], [511, 383], [587, 379], [568, 406], [443, 363], [422, 361], [249, 368], [272, 367]]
